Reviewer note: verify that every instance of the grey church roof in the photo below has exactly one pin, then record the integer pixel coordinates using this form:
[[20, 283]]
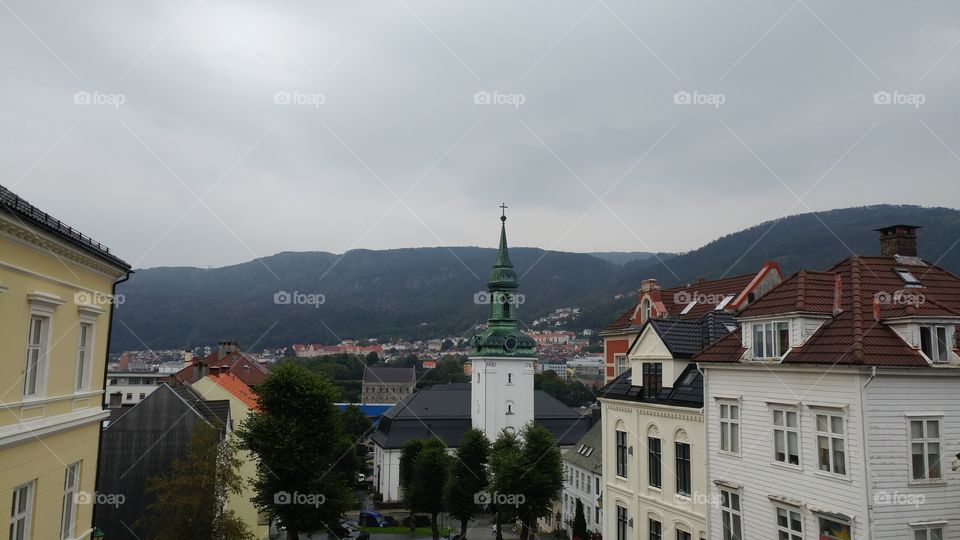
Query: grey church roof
[[587, 453], [443, 411], [389, 375]]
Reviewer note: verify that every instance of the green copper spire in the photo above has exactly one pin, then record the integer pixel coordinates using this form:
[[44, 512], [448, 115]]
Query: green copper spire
[[502, 337]]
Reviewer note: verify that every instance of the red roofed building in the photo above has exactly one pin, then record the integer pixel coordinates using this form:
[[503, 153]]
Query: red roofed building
[[834, 410], [687, 302], [227, 358], [315, 349]]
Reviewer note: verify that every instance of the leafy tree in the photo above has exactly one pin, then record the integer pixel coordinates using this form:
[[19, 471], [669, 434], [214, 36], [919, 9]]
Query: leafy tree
[[542, 477], [306, 461], [446, 345], [372, 358], [430, 469], [408, 457], [467, 478], [191, 502], [579, 522], [507, 471], [356, 426]]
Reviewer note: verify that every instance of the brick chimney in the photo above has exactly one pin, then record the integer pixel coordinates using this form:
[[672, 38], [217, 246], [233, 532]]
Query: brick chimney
[[187, 358], [124, 362], [898, 240], [226, 347]]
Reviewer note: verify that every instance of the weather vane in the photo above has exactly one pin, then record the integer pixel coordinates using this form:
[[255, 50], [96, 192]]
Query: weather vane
[[503, 208]]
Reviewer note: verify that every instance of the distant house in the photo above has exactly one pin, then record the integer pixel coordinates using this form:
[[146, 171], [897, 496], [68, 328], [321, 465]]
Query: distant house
[[387, 384], [228, 357], [583, 481], [314, 350], [143, 442], [133, 386]]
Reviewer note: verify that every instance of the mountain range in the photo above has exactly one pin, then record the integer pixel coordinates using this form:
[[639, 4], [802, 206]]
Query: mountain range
[[417, 293]]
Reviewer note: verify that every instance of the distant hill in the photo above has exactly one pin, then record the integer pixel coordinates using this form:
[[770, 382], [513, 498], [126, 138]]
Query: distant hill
[[417, 293], [623, 257]]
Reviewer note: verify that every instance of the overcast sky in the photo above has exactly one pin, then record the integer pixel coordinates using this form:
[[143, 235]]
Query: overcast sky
[[210, 132]]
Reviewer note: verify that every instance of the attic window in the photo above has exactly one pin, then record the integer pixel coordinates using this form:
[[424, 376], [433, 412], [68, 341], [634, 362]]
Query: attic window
[[688, 379], [908, 278], [723, 303], [688, 308]]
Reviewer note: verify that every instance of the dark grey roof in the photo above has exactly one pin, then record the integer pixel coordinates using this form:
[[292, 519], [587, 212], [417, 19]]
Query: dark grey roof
[[217, 409], [587, 453], [443, 411], [389, 375], [11, 204], [686, 391], [686, 338]]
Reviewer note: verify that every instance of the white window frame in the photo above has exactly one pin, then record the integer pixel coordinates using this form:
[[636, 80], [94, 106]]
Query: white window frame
[[787, 430], [68, 515], [830, 435], [42, 349], [841, 521], [729, 425], [621, 364], [729, 512], [84, 362], [792, 534], [21, 492], [622, 460], [769, 331], [926, 441], [926, 529], [935, 356]]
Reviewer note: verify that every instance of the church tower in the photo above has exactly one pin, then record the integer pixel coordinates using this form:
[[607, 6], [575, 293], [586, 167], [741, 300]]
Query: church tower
[[501, 388]]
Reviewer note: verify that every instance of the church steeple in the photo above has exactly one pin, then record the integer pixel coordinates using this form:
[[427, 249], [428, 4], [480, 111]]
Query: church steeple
[[502, 337]]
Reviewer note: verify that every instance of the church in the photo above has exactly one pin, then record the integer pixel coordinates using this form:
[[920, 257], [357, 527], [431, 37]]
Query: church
[[500, 395]]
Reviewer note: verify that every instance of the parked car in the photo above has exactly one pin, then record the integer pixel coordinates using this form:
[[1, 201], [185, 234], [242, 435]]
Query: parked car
[[372, 518]]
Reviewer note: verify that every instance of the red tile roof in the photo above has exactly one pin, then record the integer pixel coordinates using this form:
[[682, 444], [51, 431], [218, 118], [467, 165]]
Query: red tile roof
[[231, 383], [247, 369], [870, 294], [729, 346]]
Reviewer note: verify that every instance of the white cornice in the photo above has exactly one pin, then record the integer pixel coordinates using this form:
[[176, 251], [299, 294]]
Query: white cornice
[[51, 245], [29, 430]]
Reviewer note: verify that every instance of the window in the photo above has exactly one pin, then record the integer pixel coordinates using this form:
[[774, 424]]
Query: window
[[831, 443], [933, 343], [129, 396], [622, 454], [688, 307], [928, 533], [509, 378], [683, 535], [36, 355], [789, 524], [771, 340], [925, 449], [646, 310], [908, 278], [83, 356], [786, 436], [598, 486], [683, 468], [730, 427], [656, 530], [653, 445], [652, 379], [831, 529], [723, 303], [21, 512], [596, 515], [142, 395], [621, 361], [69, 513], [621, 523], [730, 515]]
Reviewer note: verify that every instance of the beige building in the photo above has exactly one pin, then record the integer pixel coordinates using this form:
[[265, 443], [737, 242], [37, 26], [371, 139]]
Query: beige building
[[387, 384], [56, 302]]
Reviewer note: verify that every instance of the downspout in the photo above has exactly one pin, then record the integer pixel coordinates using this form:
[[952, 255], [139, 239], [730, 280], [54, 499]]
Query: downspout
[[866, 462], [106, 364]]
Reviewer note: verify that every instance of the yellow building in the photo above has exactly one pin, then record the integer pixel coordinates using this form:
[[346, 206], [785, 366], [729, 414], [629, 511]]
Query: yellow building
[[56, 298], [221, 384]]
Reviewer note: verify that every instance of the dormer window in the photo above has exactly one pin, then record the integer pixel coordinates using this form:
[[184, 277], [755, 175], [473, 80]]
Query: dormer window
[[771, 340], [645, 309], [908, 278], [933, 343], [652, 379]]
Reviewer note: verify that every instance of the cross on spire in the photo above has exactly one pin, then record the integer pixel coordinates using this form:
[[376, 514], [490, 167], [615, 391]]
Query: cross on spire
[[503, 208]]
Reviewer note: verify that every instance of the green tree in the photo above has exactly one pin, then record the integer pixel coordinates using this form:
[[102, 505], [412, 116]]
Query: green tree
[[356, 426], [430, 470], [446, 345], [306, 461], [408, 457], [542, 477], [579, 522], [467, 478], [372, 358], [507, 471], [191, 502]]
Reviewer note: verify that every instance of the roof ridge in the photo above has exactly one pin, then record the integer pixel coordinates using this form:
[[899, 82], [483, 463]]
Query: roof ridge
[[801, 283], [857, 310]]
